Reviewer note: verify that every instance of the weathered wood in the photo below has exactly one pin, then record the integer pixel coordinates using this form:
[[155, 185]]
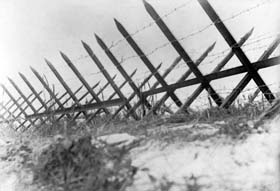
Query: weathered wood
[[182, 78], [217, 75], [145, 60], [9, 113], [12, 105], [83, 96], [24, 97], [64, 84], [112, 95], [24, 109], [134, 94], [21, 105], [33, 90], [178, 47], [247, 78], [107, 76], [8, 102], [16, 103], [166, 72], [219, 66], [82, 79], [122, 70], [79, 108], [51, 93], [237, 50]]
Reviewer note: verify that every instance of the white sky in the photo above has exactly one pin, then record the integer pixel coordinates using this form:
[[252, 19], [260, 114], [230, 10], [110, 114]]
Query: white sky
[[35, 29]]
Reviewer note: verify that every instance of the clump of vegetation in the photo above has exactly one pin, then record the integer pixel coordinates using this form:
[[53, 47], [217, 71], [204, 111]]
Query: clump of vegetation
[[78, 164]]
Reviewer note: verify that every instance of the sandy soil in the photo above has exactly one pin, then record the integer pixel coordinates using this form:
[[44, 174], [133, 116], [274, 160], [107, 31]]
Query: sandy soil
[[214, 164]]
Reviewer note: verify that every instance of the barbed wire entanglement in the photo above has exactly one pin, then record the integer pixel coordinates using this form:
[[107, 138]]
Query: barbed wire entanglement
[[159, 86]]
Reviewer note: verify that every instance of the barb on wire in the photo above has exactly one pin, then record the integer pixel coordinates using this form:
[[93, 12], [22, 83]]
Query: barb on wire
[[114, 44], [194, 33]]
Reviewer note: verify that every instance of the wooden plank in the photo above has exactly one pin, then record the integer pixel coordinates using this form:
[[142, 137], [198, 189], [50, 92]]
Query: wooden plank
[[145, 60], [33, 90], [4, 120], [11, 106], [237, 50], [59, 98], [24, 109], [83, 96], [121, 70], [134, 94], [217, 75], [16, 103], [182, 78], [79, 108], [247, 78], [112, 95], [219, 66], [107, 76], [24, 97], [82, 79], [180, 50], [21, 105], [52, 95], [8, 102], [64, 84], [166, 72]]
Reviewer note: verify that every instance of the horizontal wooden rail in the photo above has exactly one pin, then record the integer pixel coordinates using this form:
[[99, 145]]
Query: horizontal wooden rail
[[80, 108], [217, 75]]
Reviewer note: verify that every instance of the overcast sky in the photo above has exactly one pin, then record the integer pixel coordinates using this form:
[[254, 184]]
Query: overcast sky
[[32, 30]]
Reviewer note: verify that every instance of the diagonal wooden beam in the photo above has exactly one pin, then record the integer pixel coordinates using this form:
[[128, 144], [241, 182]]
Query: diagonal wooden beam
[[178, 47], [82, 79], [237, 50], [112, 95], [24, 97], [183, 77], [24, 109], [8, 102], [64, 84], [79, 108], [217, 75], [166, 72], [47, 102], [7, 110], [145, 60], [107, 76], [121, 70], [33, 90], [87, 93], [10, 114], [219, 66], [247, 78], [11, 106], [134, 94], [16, 103], [45, 85]]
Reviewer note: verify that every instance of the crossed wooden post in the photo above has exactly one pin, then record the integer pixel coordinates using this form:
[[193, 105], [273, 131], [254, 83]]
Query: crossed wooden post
[[251, 71]]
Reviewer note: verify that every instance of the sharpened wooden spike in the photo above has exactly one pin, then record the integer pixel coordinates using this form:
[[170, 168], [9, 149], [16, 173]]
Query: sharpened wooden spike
[[237, 51], [121, 70], [82, 79], [146, 61], [33, 90], [217, 75], [182, 78], [107, 76], [219, 66], [181, 51]]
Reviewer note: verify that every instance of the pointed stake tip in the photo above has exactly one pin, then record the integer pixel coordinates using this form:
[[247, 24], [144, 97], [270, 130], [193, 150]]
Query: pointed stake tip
[[117, 22], [96, 35], [84, 43]]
